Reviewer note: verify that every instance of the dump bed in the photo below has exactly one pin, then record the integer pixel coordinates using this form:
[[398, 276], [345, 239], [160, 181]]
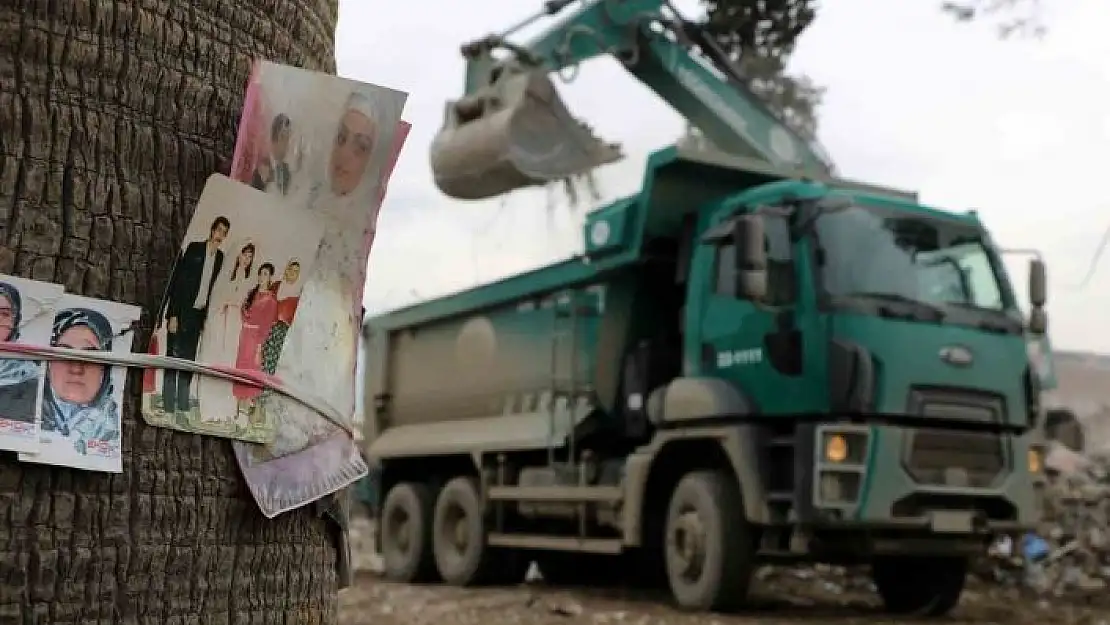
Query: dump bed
[[496, 360]]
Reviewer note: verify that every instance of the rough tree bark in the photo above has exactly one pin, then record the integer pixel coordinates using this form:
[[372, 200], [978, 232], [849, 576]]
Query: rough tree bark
[[112, 114]]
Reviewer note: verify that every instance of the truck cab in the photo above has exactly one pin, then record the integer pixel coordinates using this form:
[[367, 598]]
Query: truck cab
[[889, 329]]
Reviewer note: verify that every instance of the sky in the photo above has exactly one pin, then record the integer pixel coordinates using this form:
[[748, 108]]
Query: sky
[[1018, 130]]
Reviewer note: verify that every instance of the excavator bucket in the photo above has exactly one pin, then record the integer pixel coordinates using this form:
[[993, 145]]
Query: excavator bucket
[[513, 133]]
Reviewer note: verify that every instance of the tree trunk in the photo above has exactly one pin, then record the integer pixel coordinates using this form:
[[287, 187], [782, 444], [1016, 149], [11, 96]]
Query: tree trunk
[[112, 115]]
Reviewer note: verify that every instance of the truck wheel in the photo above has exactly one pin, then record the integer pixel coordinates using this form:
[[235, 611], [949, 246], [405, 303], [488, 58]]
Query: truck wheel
[[921, 586], [459, 539], [708, 550], [406, 533]]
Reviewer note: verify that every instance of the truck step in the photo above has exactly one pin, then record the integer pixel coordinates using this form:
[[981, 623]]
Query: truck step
[[606, 546], [571, 494]]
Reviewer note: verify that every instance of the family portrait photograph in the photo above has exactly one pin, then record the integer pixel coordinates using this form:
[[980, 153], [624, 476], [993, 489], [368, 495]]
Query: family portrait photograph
[[26, 316], [81, 423], [231, 298], [326, 145]]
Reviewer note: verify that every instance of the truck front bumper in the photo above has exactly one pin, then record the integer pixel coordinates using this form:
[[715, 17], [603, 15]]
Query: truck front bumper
[[875, 477]]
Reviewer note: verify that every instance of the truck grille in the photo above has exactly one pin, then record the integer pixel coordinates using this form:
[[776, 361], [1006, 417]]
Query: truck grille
[[943, 457], [953, 458]]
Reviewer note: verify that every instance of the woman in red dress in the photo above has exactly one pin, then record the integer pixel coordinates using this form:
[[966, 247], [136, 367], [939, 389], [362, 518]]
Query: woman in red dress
[[259, 313]]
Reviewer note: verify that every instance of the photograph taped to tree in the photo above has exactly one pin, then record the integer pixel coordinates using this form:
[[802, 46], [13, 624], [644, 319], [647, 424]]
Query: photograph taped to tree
[[232, 297], [81, 414], [328, 144], [310, 458], [26, 316]]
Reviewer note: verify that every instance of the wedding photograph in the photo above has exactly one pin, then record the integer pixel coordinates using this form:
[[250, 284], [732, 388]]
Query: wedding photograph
[[232, 297]]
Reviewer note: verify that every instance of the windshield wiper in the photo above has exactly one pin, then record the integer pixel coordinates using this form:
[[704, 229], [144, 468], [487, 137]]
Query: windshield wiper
[[924, 310], [991, 319]]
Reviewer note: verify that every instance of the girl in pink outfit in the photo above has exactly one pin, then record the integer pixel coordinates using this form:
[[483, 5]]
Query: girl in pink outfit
[[259, 314]]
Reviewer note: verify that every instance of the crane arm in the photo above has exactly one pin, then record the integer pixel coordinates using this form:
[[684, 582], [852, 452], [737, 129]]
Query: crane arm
[[683, 66], [512, 123]]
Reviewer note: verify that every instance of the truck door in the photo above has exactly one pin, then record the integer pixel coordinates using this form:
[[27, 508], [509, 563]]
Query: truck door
[[756, 346]]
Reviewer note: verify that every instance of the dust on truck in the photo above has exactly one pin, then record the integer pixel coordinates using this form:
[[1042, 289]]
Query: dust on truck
[[733, 372], [753, 360]]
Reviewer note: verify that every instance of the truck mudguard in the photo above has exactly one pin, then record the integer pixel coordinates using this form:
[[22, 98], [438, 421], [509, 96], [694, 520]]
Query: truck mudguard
[[691, 399], [737, 440], [684, 402]]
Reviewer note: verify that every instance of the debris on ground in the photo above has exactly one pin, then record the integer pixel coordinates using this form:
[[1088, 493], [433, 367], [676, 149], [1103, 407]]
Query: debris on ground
[[1068, 556], [1060, 572]]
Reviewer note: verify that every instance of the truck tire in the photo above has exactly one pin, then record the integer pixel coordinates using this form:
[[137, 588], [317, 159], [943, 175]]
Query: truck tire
[[919, 586], [708, 546], [462, 556], [406, 533]]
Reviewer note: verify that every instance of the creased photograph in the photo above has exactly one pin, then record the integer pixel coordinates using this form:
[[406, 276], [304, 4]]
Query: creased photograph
[[232, 296], [82, 403], [26, 316], [338, 153]]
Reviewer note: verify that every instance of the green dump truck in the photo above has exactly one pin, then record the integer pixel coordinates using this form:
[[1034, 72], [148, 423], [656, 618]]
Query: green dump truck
[[738, 369], [752, 360]]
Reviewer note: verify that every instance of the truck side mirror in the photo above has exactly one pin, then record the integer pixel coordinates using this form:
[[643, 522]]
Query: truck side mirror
[[751, 257], [1038, 283], [1038, 321]]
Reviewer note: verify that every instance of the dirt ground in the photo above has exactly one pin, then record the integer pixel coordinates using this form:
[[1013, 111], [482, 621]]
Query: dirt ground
[[372, 601], [782, 599]]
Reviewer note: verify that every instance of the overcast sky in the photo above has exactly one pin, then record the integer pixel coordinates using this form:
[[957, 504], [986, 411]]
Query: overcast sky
[[1019, 130]]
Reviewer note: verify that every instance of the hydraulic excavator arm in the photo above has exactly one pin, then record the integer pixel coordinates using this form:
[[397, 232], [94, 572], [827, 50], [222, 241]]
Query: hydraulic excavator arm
[[512, 130]]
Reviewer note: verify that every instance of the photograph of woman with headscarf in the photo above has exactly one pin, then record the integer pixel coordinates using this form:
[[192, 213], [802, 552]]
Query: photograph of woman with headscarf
[[19, 379], [81, 420], [348, 129], [25, 317]]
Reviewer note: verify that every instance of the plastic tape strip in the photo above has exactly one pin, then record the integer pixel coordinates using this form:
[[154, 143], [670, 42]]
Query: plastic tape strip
[[257, 379]]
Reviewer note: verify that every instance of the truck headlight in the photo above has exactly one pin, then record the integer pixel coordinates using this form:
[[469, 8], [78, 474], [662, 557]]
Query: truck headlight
[[843, 447], [841, 457], [836, 448], [1035, 460]]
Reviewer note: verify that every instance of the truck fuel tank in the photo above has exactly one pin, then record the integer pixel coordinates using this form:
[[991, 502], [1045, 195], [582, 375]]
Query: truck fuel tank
[[514, 132]]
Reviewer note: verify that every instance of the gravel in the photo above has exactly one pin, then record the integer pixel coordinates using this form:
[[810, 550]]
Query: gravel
[[781, 596]]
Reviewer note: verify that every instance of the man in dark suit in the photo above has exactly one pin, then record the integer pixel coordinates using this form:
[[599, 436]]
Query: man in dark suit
[[274, 168], [186, 308]]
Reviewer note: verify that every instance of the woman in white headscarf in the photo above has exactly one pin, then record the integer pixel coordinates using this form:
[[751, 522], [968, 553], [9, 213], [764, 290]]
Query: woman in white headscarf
[[79, 399], [327, 312], [19, 379]]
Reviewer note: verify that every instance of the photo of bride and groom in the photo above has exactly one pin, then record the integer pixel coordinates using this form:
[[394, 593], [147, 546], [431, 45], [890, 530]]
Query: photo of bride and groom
[[232, 296]]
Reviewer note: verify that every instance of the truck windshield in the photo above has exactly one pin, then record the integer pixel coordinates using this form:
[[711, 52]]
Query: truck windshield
[[871, 253]]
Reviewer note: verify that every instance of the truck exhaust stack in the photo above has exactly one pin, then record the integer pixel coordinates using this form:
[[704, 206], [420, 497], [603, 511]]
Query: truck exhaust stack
[[513, 133]]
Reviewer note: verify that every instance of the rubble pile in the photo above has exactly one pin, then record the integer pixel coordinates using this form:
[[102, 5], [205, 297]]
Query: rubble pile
[[1069, 554]]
